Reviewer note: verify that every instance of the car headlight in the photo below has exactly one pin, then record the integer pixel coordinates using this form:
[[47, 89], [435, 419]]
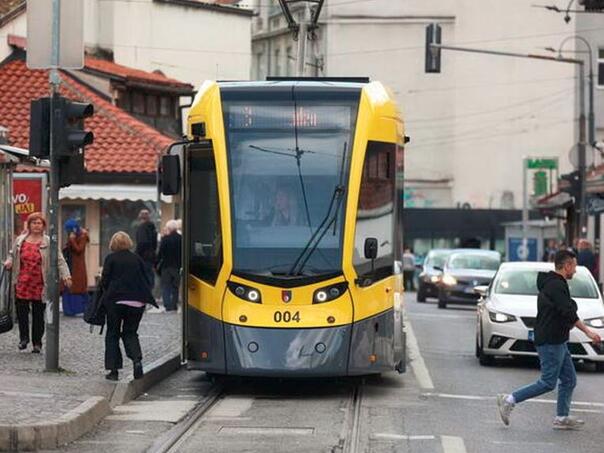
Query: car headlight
[[497, 316], [598, 323], [435, 279], [245, 292], [329, 293], [449, 280]]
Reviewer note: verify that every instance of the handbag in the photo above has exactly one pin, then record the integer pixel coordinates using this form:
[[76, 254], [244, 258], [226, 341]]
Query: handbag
[[6, 318], [95, 313]]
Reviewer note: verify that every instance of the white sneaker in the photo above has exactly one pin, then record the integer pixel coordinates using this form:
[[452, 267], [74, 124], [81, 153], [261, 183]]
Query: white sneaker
[[569, 422], [505, 408], [154, 310]]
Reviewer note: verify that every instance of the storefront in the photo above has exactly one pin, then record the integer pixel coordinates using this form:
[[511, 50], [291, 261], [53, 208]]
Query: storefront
[[106, 209]]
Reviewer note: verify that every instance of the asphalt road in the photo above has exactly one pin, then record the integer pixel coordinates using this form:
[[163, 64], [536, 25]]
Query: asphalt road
[[445, 403]]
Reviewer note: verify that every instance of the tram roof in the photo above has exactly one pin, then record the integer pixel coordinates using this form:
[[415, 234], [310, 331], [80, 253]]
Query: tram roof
[[307, 82]]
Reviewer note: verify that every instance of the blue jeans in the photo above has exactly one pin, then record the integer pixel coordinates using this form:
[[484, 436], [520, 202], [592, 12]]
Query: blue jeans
[[170, 281], [556, 364]]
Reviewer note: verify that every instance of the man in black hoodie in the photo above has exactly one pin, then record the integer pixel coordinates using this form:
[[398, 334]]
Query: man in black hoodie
[[556, 316]]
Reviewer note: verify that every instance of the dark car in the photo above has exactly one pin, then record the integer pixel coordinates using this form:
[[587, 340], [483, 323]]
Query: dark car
[[430, 276], [462, 272]]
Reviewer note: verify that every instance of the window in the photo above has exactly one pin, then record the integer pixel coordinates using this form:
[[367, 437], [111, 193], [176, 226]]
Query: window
[[166, 106], [75, 212], [277, 70], [375, 210], [151, 105], [138, 102], [601, 67], [123, 100], [120, 216], [290, 61], [205, 241]]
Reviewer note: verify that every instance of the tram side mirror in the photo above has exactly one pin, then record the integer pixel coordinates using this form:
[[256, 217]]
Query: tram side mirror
[[371, 248], [170, 175]]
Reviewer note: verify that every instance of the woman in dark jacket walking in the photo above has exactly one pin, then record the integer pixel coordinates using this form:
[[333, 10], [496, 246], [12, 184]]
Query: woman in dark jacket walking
[[126, 290]]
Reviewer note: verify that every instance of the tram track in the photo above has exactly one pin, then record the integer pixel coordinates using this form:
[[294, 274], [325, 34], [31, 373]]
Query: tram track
[[170, 441], [350, 437]]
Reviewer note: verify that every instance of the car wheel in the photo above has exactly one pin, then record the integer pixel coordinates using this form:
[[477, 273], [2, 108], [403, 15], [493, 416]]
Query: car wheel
[[599, 367], [483, 359], [421, 294], [442, 302]]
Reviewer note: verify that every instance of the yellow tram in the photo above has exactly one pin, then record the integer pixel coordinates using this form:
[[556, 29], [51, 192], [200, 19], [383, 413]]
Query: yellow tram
[[292, 228]]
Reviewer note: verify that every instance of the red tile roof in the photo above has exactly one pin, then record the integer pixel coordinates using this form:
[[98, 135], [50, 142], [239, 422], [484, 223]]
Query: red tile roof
[[122, 143], [131, 74], [113, 69]]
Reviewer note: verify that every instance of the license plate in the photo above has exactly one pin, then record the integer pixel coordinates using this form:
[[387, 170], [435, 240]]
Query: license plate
[[531, 335]]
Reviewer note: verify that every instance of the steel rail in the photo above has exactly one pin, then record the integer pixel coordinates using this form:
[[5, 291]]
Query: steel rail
[[351, 431], [175, 437]]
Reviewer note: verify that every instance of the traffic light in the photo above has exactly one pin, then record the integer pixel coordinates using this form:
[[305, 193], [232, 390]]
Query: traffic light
[[571, 184], [39, 128], [433, 36], [592, 5], [69, 135], [70, 138]]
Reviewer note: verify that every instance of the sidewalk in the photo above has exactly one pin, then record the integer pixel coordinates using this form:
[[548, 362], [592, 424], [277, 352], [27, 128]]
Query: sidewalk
[[31, 396]]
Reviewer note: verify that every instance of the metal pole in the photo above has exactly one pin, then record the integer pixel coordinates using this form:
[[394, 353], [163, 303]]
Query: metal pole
[[52, 310], [525, 216], [301, 47], [582, 197]]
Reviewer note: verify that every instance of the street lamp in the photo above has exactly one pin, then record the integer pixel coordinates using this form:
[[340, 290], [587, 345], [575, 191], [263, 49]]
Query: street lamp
[[582, 144]]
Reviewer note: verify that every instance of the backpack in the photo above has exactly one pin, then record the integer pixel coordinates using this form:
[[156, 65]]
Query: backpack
[[95, 313]]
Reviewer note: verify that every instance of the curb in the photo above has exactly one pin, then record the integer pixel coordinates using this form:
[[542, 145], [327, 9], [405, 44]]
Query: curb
[[51, 435], [153, 373], [77, 422]]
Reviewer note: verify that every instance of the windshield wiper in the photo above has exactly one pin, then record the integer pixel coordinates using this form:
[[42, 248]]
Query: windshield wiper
[[330, 217]]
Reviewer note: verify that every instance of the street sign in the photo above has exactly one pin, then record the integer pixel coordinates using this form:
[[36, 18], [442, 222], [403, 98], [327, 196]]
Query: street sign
[[39, 34], [542, 163], [517, 251], [595, 205]]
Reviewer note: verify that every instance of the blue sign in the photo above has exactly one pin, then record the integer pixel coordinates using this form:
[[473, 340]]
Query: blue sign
[[517, 252]]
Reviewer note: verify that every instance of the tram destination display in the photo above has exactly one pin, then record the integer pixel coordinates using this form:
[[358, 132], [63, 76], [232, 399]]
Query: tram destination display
[[284, 116]]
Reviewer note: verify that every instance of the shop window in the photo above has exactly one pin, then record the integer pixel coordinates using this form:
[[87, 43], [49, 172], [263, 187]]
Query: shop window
[[376, 210], [138, 102], [120, 216]]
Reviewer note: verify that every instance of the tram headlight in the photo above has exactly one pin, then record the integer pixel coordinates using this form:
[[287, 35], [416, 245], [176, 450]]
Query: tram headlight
[[329, 293], [245, 292]]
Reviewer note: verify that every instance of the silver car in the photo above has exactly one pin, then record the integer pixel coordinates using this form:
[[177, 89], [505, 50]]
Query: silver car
[[508, 309]]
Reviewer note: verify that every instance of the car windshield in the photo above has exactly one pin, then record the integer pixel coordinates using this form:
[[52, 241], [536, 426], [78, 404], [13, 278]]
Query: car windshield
[[288, 164], [524, 282], [437, 259], [474, 261]]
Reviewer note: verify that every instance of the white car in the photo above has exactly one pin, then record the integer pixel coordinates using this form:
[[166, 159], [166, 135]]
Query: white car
[[508, 309]]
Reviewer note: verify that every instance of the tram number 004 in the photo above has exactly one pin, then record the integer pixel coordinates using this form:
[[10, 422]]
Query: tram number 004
[[286, 316]]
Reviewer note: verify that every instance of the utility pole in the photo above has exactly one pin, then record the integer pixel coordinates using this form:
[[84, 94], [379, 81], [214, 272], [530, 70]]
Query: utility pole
[[580, 205], [52, 314], [303, 31]]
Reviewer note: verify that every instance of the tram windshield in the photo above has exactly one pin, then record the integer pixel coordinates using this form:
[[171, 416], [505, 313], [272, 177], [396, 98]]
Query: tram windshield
[[288, 161]]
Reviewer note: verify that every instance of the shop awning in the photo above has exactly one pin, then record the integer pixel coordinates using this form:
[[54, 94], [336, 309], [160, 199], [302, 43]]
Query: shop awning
[[110, 192]]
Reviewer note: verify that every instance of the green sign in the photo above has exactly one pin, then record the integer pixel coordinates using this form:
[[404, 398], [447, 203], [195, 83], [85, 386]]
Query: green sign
[[542, 164], [539, 183]]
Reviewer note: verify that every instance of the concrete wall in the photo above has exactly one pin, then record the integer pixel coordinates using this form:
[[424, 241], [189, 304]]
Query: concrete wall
[[189, 44], [471, 124], [18, 26]]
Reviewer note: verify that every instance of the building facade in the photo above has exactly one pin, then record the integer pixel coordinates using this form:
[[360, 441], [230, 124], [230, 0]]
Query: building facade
[[470, 125]]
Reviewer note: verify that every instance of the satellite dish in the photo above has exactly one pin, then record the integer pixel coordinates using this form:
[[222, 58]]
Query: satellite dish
[[573, 156]]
